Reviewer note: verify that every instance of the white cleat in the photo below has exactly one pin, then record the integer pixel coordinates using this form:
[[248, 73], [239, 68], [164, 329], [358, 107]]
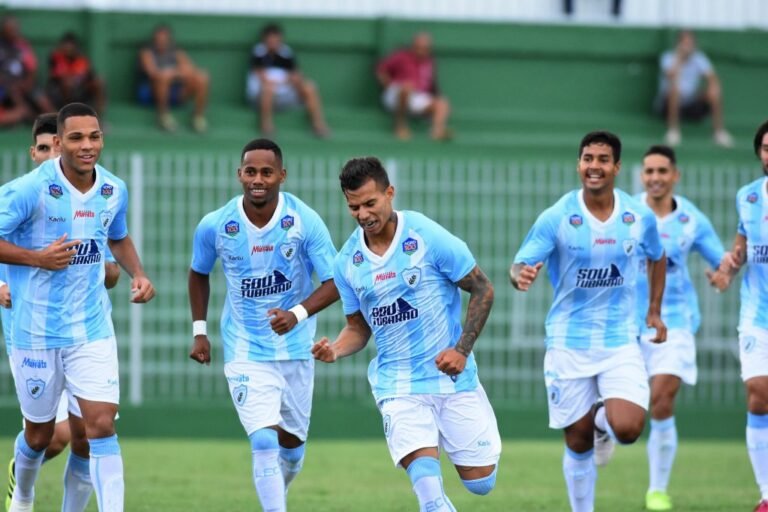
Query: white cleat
[[673, 137], [723, 139], [604, 445]]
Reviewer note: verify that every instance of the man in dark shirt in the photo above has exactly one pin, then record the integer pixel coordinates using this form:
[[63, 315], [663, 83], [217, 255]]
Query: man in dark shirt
[[71, 77], [276, 82]]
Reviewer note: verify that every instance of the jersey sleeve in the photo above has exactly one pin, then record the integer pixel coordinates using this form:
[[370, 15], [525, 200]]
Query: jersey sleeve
[[119, 227], [204, 247], [707, 243], [320, 249], [451, 254], [349, 300], [18, 200], [651, 242], [540, 241]]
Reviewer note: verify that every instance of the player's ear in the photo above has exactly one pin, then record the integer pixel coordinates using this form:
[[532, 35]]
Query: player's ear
[[283, 174], [390, 192], [57, 142], [32, 152]]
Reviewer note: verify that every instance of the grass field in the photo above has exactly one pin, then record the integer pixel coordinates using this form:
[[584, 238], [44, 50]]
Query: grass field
[[189, 475]]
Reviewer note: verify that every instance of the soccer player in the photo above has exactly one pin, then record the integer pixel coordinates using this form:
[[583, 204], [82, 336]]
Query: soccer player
[[589, 240], [77, 480], [62, 334], [399, 276], [269, 243], [683, 228], [750, 247]]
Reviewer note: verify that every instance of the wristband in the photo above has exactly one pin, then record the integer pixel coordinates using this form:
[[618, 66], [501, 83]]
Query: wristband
[[300, 312], [199, 328]]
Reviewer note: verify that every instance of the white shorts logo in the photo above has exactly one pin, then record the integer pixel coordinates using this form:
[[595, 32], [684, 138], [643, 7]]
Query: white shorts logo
[[35, 388], [387, 425], [749, 343], [554, 394], [239, 394]]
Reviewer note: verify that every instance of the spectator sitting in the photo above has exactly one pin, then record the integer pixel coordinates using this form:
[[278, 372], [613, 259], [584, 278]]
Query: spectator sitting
[[410, 87], [168, 77], [20, 97], [71, 78], [276, 82], [680, 93]]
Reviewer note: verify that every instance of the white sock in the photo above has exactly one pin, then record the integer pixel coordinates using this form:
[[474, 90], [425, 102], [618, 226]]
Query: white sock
[[580, 478], [601, 420], [757, 446], [267, 476], [106, 468], [427, 481], [291, 462], [662, 446], [77, 484], [28, 462]]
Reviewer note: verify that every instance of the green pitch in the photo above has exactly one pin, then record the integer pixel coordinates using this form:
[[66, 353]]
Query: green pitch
[[188, 475]]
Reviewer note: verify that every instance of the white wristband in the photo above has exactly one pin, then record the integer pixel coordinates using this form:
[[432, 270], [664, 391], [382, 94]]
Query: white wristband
[[299, 312], [199, 328]]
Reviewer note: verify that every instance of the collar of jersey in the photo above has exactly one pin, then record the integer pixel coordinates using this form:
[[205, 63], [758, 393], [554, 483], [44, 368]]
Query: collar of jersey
[[671, 215], [594, 221], [76, 193], [375, 258], [765, 188], [269, 225]]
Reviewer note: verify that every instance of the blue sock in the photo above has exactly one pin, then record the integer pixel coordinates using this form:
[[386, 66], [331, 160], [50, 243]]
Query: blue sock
[[267, 477], [662, 446], [28, 462], [757, 446], [291, 462], [580, 478], [481, 486], [106, 468], [77, 484], [427, 481]]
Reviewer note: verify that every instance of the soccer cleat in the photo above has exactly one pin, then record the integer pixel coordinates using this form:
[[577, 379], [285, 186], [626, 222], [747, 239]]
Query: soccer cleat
[[762, 506], [167, 123], [723, 139], [658, 500], [11, 483], [673, 137], [199, 124], [604, 445]]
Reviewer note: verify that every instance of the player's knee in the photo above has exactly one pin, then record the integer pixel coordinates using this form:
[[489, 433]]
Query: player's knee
[[627, 432], [481, 486], [101, 426], [264, 439], [423, 467]]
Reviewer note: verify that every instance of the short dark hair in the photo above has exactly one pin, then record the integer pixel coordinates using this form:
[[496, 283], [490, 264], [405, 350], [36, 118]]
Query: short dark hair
[[761, 131], [357, 171], [74, 110], [44, 123], [267, 144], [660, 149], [271, 28], [70, 37], [602, 137]]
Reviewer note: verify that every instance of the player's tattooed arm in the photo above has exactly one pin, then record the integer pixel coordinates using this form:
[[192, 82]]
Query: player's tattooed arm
[[480, 290]]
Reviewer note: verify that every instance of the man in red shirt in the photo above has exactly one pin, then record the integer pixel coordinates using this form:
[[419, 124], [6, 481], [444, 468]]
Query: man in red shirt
[[71, 77], [410, 87]]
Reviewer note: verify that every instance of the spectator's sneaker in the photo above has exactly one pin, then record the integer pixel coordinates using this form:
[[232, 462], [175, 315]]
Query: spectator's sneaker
[[200, 124], [723, 139], [673, 137], [167, 123], [762, 506], [658, 500], [604, 445], [11, 483]]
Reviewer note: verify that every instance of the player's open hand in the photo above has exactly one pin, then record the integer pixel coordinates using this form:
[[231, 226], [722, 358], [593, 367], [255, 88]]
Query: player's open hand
[[57, 255], [719, 279], [527, 276], [323, 351], [451, 362], [653, 320], [5, 296], [281, 320], [201, 350], [141, 290]]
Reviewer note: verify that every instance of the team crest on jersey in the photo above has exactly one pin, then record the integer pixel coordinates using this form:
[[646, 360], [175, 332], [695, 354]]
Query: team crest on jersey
[[387, 425], [357, 259], [55, 191], [239, 394], [232, 228], [410, 246], [576, 220], [106, 218], [411, 276], [629, 246], [628, 218], [683, 218], [553, 394], [288, 250], [35, 388], [286, 222], [752, 198], [107, 191]]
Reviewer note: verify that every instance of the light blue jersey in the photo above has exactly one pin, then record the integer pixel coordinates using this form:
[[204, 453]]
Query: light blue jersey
[[592, 267], [55, 309], [752, 206], [265, 268], [683, 230], [410, 300]]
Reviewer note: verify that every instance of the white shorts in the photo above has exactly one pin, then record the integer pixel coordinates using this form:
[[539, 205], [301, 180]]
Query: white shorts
[[417, 101], [622, 376], [285, 95], [62, 411], [88, 371], [462, 424], [753, 352], [676, 356], [272, 393]]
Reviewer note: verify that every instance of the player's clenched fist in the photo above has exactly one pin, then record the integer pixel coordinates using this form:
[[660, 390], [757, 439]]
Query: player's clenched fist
[[323, 351], [201, 350], [142, 290], [57, 255], [451, 362], [522, 276], [281, 321]]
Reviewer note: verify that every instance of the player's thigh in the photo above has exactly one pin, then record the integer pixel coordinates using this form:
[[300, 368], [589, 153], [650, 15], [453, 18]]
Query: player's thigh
[[753, 353], [410, 423], [626, 378], [568, 400], [676, 356], [92, 372], [256, 389], [296, 404], [469, 433], [39, 380]]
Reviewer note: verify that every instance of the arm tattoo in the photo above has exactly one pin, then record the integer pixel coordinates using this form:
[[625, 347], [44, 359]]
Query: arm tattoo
[[480, 301]]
